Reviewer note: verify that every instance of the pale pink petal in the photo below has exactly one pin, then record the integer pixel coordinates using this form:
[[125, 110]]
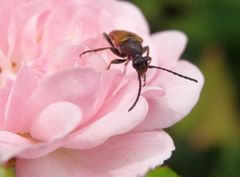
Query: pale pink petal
[[6, 10], [169, 46], [152, 91], [64, 56], [76, 85], [114, 123], [21, 16], [67, 55], [40, 149], [126, 155], [29, 38], [72, 17], [56, 121], [3, 63], [129, 17], [181, 96], [22, 89], [11, 144], [4, 93], [109, 82], [59, 18], [39, 67]]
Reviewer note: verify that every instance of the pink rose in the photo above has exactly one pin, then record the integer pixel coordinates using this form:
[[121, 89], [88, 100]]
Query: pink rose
[[62, 115]]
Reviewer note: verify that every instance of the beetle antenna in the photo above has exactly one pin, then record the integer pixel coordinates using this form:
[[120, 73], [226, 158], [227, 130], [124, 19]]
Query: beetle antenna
[[139, 92], [180, 75]]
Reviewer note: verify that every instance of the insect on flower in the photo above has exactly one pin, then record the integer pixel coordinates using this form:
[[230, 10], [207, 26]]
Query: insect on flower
[[128, 46]]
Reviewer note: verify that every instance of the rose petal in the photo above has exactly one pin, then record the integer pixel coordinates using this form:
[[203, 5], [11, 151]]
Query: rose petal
[[129, 17], [181, 96], [6, 10], [40, 149], [64, 56], [125, 155], [75, 22], [76, 85], [21, 15], [22, 89], [117, 122], [4, 93], [29, 37], [11, 144], [169, 46], [152, 91], [56, 121], [67, 55]]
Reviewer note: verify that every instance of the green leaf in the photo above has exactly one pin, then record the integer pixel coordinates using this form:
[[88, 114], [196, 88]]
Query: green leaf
[[6, 172], [162, 172]]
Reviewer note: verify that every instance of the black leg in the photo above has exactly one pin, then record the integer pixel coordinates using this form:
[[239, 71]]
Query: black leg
[[108, 39], [114, 49], [116, 61], [144, 79], [96, 50], [125, 66], [145, 49]]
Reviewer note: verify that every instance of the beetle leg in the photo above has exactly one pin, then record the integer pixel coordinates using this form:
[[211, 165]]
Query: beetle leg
[[145, 49], [144, 79], [114, 49], [125, 66], [116, 52], [108, 39], [96, 50], [116, 61], [149, 59]]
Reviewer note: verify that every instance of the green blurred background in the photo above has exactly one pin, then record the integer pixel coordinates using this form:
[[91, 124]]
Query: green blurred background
[[207, 141]]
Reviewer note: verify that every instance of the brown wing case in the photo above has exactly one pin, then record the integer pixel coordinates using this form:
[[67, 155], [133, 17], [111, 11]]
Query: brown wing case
[[120, 36]]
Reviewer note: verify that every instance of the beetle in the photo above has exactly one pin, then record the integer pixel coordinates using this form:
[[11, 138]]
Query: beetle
[[128, 46]]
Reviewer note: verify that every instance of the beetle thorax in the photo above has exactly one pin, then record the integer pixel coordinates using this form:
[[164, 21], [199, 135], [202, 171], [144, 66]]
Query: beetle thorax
[[131, 48]]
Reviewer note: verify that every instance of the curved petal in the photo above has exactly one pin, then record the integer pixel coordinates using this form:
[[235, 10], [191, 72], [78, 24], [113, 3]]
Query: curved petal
[[76, 85], [117, 122], [4, 93], [64, 56], [29, 38], [169, 46], [21, 16], [75, 22], [22, 89], [181, 96], [40, 149], [127, 16], [67, 55], [56, 121], [126, 155], [11, 144], [6, 11]]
